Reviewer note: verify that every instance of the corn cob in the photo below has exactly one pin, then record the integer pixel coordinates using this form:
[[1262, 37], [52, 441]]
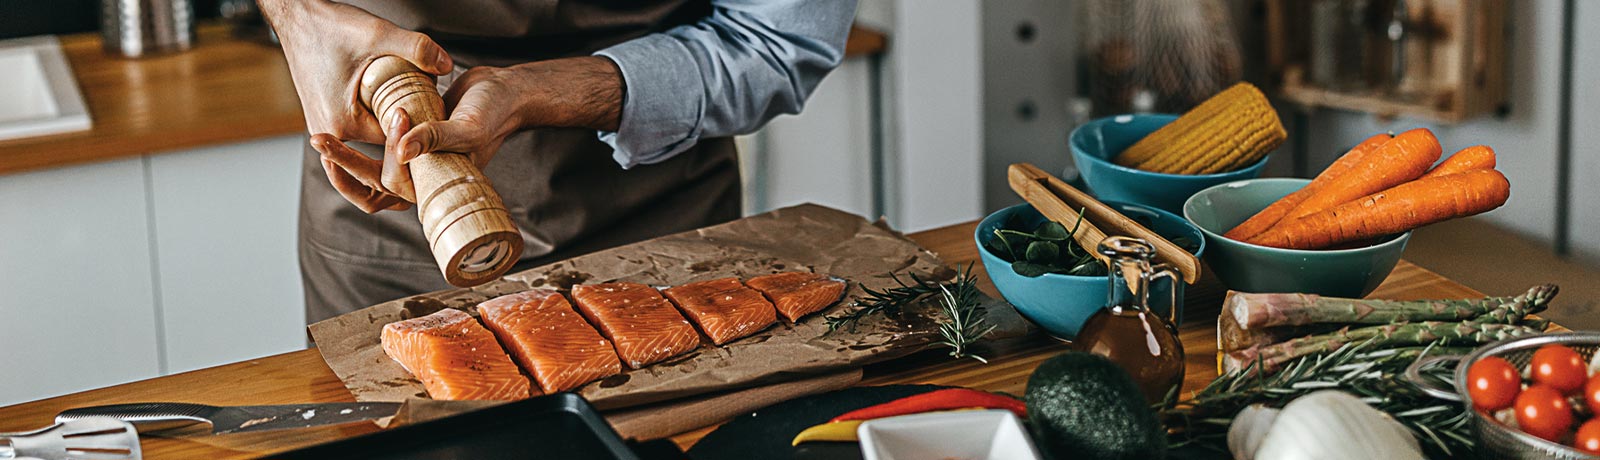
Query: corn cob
[[1231, 130], [1244, 134]]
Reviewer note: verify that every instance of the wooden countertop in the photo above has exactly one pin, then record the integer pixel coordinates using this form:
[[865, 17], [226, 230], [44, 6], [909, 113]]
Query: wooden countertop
[[225, 90], [302, 377]]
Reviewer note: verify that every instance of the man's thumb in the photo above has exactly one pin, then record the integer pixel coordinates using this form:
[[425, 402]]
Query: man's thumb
[[421, 51]]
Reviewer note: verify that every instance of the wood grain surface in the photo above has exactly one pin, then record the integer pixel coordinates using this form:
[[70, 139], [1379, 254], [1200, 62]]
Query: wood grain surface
[[301, 376]]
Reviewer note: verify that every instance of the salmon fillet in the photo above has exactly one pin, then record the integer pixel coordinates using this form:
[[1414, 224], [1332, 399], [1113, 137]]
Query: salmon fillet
[[640, 322], [549, 339], [725, 309], [797, 294], [454, 357]]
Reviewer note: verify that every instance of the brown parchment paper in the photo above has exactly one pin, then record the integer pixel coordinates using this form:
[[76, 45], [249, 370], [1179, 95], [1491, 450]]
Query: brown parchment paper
[[806, 237]]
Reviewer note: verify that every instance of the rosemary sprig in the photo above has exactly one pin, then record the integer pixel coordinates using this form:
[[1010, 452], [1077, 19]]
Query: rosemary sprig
[[1374, 375], [890, 301], [963, 324]]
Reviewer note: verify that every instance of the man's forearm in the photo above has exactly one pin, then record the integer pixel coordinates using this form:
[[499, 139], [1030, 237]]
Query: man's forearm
[[277, 12], [579, 92]]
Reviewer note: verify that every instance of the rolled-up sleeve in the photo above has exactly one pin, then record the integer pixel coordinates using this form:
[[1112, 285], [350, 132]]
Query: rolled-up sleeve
[[728, 74]]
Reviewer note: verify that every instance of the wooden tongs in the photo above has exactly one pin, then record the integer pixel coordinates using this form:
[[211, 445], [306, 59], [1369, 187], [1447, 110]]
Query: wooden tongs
[[1060, 202]]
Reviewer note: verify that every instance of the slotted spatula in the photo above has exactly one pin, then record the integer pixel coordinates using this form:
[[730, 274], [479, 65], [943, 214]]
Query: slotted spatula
[[95, 438]]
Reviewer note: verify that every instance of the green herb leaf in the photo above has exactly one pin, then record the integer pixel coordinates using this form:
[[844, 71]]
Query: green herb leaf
[[1029, 269], [1051, 230], [997, 245], [1043, 252]]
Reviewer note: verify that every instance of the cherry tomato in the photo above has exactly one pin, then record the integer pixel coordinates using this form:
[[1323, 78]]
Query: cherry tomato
[[1560, 368], [1493, 383], [1588, 439], [1591, 394], [1544, 412]]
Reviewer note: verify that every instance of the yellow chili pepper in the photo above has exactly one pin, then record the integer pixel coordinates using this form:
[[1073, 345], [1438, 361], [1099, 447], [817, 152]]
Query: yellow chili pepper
[[845, 430], [833, 431]]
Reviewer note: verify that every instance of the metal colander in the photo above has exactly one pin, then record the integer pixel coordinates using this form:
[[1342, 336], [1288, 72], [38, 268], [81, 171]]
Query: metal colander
[[1496, 440]]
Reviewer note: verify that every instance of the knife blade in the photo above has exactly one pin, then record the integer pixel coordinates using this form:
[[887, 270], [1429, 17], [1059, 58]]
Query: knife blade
[[155, 416]]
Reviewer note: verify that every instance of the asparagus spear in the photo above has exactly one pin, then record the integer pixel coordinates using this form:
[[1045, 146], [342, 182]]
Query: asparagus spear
[[1392, 335], [1534, 301], [1254, 311]]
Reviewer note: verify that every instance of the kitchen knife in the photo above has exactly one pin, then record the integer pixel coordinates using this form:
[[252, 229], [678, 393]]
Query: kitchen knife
[[235, 419]]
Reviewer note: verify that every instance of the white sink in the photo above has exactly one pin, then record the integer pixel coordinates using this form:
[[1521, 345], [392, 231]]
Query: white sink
[[39, 92]]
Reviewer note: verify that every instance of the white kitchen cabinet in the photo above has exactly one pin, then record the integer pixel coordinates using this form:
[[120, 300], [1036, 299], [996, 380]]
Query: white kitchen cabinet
[[227, 271], [1585, 190], [823, 154], [77, 303]]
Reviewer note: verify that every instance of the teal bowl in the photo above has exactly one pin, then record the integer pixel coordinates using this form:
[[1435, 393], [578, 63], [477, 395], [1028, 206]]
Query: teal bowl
[[1060, 304], [1096, 143], [1255, 268]]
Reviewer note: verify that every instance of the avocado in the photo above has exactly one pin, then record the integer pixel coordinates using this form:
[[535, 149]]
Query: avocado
[[1082, 406]]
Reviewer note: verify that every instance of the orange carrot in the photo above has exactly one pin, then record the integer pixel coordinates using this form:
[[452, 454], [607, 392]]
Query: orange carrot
[[1272, 214], [1470, 158], [1396, 162], [1396, 210]]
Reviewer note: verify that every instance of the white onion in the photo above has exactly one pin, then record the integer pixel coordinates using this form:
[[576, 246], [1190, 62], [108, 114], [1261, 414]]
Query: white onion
[[1332, 425]]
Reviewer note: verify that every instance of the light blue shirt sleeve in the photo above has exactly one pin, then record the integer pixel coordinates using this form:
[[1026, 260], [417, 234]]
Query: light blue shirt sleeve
[[728, 74]]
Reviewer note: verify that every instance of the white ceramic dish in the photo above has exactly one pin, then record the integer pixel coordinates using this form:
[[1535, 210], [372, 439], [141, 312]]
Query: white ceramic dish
[[959, 435], [40, 93]]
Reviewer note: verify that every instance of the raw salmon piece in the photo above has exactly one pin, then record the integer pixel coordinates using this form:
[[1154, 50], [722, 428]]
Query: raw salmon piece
[[797, 294], [549, 339], [724, 308], [638, 320], [454, 357]]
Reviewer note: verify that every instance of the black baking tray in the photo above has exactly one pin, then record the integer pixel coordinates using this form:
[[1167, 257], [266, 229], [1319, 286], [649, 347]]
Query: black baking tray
[[559, 426]]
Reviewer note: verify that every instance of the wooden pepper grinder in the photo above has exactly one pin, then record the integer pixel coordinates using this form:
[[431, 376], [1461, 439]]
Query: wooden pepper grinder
[[471, 235]]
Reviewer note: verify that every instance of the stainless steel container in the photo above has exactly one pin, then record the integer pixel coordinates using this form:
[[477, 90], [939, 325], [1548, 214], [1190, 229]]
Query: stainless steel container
[[1498, 441], [135, 28]]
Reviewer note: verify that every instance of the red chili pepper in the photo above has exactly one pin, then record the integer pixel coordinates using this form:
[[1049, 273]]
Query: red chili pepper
[[947, 399]]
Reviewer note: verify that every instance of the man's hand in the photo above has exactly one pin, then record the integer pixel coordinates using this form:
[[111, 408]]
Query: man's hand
[[328, 45], [486, 104]]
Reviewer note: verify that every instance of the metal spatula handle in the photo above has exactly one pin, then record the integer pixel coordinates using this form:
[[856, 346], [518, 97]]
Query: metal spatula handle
[[91, 438]]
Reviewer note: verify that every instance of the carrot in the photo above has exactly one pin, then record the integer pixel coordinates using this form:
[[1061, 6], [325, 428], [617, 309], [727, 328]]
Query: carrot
[[1470, 158], [1275, 212], [1396, 162], [1396, 210]]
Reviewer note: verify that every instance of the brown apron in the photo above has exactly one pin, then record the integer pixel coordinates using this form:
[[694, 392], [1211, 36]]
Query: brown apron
[[561, 186]]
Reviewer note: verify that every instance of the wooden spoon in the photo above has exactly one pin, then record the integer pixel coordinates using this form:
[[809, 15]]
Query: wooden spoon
[[1060, 202]]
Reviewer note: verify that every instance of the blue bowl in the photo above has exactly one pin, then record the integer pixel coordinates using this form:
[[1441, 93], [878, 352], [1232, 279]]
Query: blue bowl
[[1061, 303], [1353, 272], [1096, 143]]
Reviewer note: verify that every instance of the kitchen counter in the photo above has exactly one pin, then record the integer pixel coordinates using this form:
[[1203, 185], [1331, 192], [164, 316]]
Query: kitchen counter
[[224, 90], [301, 376]]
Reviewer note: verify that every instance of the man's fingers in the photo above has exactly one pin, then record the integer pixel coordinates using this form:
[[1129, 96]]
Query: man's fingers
[[396, 177], [364, 168], [351, 189], [440, 136], [421, 51], [353, 175]]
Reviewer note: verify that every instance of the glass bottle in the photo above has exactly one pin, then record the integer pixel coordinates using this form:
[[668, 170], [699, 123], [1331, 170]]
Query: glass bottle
[[1127, 331]]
